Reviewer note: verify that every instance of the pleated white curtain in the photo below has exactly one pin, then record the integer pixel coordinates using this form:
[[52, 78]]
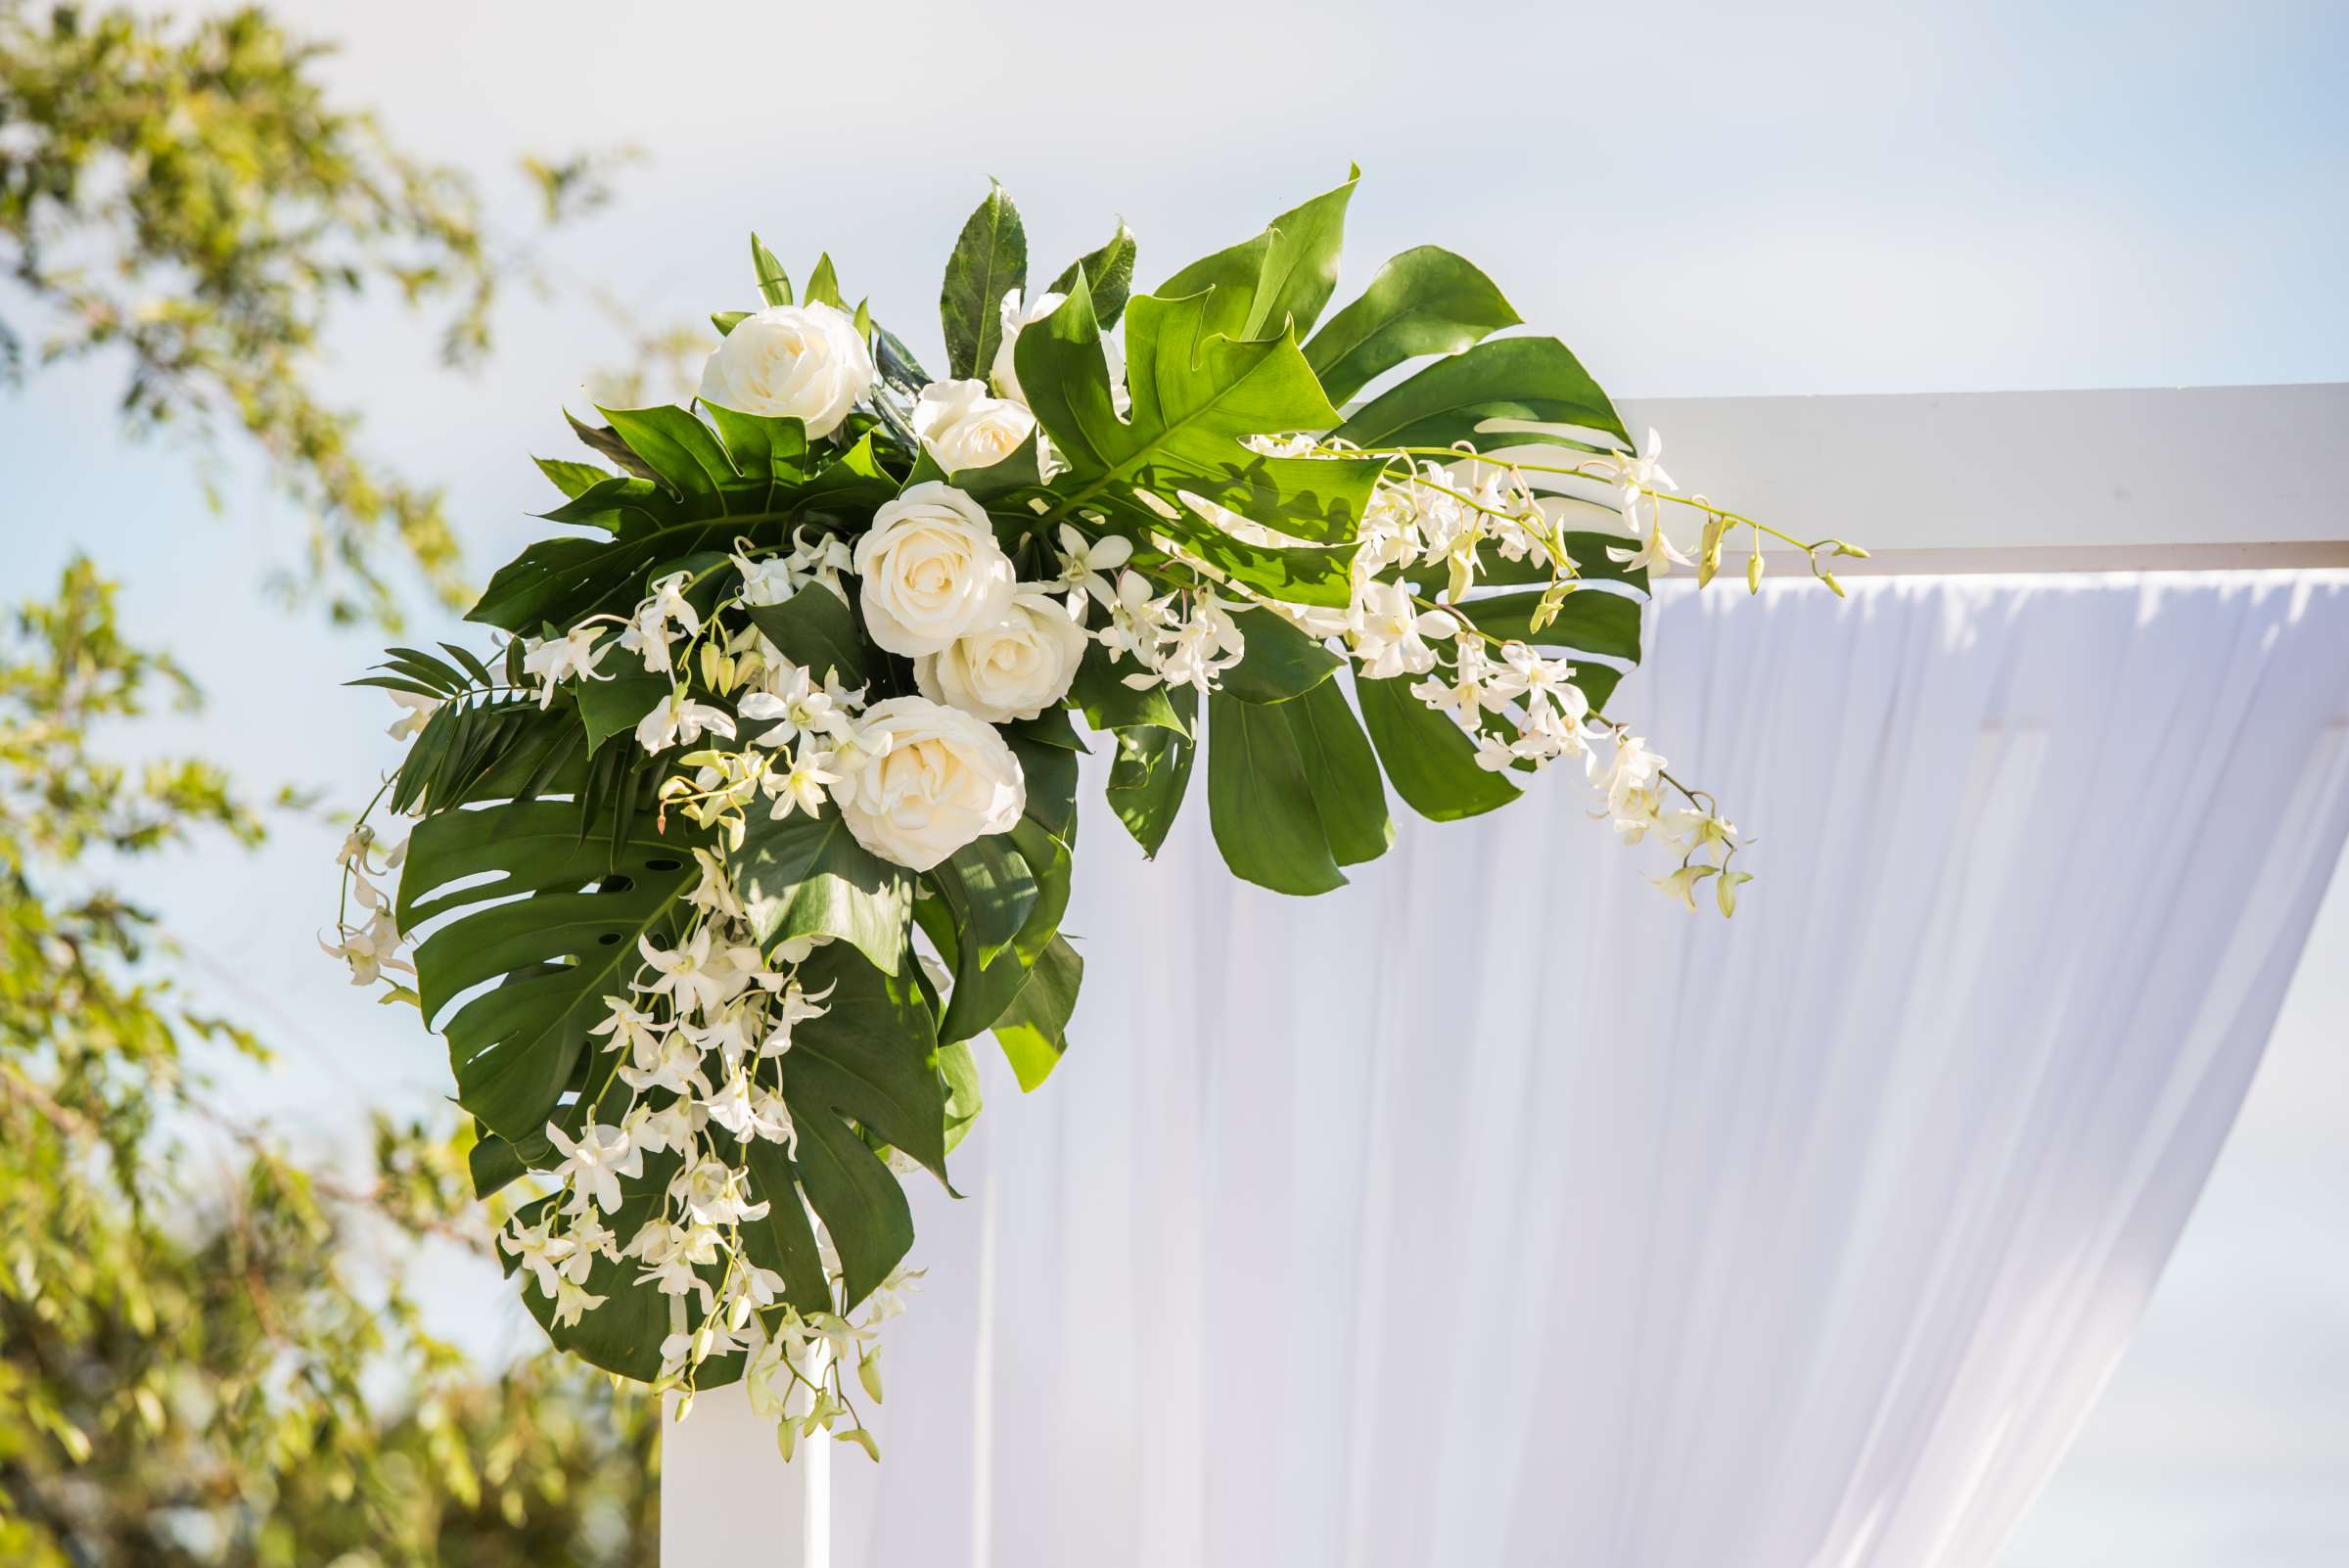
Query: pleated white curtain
[[1494, 1211]]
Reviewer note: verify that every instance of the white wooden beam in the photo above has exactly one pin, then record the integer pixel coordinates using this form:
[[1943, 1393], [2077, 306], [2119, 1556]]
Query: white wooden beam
[[2186, 478]]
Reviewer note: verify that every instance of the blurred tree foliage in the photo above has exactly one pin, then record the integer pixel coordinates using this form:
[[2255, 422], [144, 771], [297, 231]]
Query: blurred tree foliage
[[189, 195], [231, 1370], [208, 1350]]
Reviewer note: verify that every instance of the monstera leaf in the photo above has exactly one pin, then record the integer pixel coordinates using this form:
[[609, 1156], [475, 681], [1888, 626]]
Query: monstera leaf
[[548, 958], [859, 1079]]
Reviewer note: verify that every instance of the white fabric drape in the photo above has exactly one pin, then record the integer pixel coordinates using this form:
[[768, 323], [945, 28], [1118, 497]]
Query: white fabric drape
[[1493, 1211]]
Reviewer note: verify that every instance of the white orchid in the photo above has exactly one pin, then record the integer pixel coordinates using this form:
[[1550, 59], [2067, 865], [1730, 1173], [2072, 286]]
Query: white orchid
[[802, 785], [420, 711], [594, 1164], [565, 657], [688, 974], [1389, 632], [1656, 555], [1085, 565], [1634, 473], [790, 695], [678, 721]]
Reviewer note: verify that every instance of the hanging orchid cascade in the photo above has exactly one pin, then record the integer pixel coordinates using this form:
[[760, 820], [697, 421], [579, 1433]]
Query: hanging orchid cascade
[[765, 808]]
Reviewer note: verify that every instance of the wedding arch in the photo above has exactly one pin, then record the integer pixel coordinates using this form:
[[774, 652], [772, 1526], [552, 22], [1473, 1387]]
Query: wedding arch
[[1207, 543]]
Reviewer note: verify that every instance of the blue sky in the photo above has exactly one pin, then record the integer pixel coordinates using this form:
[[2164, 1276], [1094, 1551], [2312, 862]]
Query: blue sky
[[1703, 200]]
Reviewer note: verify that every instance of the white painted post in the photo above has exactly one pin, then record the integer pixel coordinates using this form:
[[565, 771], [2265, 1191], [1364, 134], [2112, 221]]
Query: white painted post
[[815, 1476], [726, 1495]]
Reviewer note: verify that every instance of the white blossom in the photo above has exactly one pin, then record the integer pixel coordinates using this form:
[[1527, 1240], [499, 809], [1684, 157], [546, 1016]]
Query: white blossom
[[594, 1164]]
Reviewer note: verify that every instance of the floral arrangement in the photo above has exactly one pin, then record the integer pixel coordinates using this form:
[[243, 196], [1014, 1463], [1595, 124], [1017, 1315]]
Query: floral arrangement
[[765, 808]]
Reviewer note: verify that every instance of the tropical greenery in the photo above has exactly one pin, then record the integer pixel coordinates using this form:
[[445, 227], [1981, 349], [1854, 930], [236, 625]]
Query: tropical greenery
[[763, 808]]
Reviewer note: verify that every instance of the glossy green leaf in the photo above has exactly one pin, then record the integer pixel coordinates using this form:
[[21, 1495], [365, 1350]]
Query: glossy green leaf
[[1101, 694], [989, 261], [557, 953], [784, 1240], [1429, 760], [761, 445], [1108, 276], [774, 284], [823, 285], [573, 480], [1506, 378], [683, 452], [869, 1056], [615, 706], [1280, 661], [807, 876], [1343, 772], [1424, 301], [815, 630], [859, 1199], [1196, 398], [1260, 797], [1280, 279], [1147, 780], [1033, 1029], [1588, 619]]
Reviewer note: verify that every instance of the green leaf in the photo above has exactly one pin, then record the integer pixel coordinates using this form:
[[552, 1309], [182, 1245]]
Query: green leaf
[[1021, 469], [986, 978], [1507, 378], [1052, 727], [1260, 797], [774, 284], [815, 630], [556, 953], [1429, 760], [615, 707], [1280, 661], [573, 480], [492, 1164], [1197, 397], [624, 1335], [680, 450], [807, 876], [991, 891], [603, 438], [784, 1241], [1033, 1029], [1279, 279], [1424, 301], [1108, 276], [1146, 782], [965, 1098], [726, 321], [989, 261], [1343, 772], [761, 445], [1588, 619], [823, 284], [860, 1198], [870, 1056], [1101, 694]]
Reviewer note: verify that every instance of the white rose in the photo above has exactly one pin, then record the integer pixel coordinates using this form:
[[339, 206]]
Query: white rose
[[1015, 668], [932, 571], [964, 427], [938, 779], [803, 362]]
